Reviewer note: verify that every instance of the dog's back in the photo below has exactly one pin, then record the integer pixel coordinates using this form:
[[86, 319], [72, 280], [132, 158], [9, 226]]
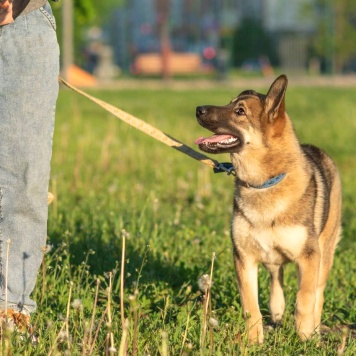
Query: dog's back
[[327, 188]]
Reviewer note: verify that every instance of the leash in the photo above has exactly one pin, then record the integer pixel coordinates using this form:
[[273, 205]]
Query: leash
[[155, 133]]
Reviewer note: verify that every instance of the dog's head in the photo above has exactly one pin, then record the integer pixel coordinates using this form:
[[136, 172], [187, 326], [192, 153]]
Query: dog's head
[[250, 119]]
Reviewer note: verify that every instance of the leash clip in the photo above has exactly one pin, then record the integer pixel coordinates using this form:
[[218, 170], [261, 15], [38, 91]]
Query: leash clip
[[226, 167]]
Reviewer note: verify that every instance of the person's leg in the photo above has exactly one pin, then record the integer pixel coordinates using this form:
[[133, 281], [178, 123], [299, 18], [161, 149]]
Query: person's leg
[[29, 67]]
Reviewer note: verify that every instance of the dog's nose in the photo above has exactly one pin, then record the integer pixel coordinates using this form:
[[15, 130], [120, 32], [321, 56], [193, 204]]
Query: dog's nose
[[201, 110]]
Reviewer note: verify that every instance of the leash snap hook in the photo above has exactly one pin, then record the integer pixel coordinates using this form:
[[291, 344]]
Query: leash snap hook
[[226, 167]]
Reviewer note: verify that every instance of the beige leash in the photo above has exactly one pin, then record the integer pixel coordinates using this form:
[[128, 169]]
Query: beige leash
[[154, 132]]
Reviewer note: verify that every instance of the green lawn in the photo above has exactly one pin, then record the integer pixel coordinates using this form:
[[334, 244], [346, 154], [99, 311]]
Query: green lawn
[[109, 177]]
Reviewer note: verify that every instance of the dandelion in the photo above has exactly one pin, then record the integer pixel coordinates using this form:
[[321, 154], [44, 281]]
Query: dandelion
[[61, 317], [77, 304], [204, 283], [125, 234], [62, 336], [213, 322], [107, 275], [47, 249]]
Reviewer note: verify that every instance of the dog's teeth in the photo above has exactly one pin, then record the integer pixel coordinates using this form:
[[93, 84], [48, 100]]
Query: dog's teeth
[[229, 140]]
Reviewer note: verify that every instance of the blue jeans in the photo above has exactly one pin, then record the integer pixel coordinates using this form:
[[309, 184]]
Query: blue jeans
[[29, 67]]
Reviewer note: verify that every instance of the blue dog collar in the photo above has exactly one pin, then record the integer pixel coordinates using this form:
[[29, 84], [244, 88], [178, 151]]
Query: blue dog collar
[[271, 182], [228, 168]]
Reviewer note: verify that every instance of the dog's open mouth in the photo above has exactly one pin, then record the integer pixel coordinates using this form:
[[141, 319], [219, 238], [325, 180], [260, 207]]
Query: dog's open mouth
[[217, 142]]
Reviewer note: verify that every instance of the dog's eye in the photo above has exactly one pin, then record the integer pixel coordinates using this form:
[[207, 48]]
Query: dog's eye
[[240, 112]]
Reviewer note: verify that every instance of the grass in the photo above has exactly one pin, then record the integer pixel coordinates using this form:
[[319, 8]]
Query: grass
[[115, 184]]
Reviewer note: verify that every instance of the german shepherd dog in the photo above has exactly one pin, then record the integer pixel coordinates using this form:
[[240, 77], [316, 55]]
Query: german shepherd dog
[[287, 204]]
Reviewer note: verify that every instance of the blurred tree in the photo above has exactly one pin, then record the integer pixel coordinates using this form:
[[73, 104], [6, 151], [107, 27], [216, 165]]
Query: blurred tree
[[251, 42], [86, 13], [103, 9], [335, 39], [162, 9], [89, 12], [84, 10]]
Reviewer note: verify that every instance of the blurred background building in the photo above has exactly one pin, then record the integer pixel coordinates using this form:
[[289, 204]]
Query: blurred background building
[[169, 37], [247, 34]]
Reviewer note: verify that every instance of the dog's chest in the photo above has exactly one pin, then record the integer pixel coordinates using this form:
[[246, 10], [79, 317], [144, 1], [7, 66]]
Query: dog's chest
[[271, 245]]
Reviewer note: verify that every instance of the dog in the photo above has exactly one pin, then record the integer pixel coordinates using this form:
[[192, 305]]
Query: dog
[[287, 204]]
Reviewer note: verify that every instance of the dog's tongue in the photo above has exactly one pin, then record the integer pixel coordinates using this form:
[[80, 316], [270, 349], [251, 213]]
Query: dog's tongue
[[211, 139]]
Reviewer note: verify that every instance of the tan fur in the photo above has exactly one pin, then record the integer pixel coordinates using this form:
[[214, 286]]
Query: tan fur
[[296, 220]]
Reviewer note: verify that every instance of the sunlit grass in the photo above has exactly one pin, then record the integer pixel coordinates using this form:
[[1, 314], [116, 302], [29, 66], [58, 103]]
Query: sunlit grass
[[108, 177]]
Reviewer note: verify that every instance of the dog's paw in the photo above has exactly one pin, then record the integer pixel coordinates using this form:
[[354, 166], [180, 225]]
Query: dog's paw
[[277, 318], [255, 338], [255, 332], [276, 307], [305, 335], [305, 328]]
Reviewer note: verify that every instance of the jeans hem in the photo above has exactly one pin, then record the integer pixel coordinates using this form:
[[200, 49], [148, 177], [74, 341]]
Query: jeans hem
[[24, 309]]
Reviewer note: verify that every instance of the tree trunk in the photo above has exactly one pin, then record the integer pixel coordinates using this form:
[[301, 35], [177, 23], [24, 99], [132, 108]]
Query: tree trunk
[[162, 7]]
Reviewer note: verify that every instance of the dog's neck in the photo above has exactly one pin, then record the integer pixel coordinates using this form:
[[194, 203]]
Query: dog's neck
[[268, 184], [264, 167]]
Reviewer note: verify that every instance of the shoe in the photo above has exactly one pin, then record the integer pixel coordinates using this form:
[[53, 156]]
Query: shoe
[[17, 321]]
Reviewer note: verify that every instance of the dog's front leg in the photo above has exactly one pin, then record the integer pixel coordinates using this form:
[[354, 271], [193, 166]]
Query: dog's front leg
[[246, 272], [308, 271], [277, 302]]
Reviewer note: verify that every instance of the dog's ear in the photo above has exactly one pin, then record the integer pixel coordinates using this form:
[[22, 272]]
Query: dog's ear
[[274, 102]]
